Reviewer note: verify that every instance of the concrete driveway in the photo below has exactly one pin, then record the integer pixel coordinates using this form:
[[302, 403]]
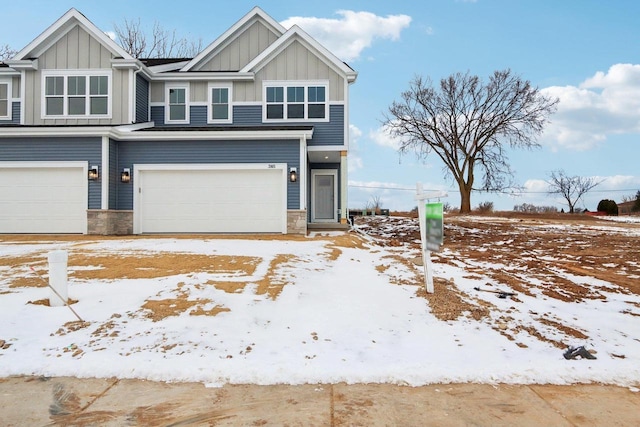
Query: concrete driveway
[[40, 401]]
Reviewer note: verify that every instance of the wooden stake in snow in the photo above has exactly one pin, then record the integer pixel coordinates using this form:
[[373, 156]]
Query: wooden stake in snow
[[66, 301], [425, 237]]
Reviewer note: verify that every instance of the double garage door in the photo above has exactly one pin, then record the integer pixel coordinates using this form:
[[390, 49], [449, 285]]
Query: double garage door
[[210, 198], [52, 197], [43, 197]]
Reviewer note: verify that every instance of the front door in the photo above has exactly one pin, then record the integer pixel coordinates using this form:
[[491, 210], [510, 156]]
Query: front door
[[323, 195]]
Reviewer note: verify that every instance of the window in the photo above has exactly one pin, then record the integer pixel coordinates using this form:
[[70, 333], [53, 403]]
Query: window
[[317, 103], [177, 109], [302, 102], [5, 104], [71, 94], [295, 102], [220, 109], [275, 103]]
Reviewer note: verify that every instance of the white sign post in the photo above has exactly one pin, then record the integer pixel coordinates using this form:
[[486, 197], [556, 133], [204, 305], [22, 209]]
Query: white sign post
[[427, 246]]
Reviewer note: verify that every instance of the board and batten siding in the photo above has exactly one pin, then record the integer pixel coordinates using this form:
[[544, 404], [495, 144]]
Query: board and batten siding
[[114, 174], [57, 150], [209, 152], [242, 50], [76, 50]]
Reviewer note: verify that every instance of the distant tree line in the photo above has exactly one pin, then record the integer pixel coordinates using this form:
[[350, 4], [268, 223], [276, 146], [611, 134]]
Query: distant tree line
[[530, 208]]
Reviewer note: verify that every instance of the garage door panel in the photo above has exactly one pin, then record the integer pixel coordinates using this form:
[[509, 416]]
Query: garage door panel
[[42, 199], [212, 200]]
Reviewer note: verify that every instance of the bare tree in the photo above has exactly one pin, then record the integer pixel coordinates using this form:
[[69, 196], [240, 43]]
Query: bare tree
[[571, 188], [469, 124], [160, 43], [6, 52]]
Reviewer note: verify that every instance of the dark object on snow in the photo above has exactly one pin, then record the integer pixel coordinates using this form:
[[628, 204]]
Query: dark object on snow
[[573, 352], [501, 294]]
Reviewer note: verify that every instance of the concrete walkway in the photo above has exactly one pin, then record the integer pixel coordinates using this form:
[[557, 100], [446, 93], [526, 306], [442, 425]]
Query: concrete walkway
[[39, 401]]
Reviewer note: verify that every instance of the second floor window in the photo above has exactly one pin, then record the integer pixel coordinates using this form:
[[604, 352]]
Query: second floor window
[[295, 102], [4, 101], [220, 109], [76, 95], [177, 105]]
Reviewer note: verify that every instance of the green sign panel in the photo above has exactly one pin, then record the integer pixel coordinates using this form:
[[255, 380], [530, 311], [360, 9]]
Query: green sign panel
[[435, 226]]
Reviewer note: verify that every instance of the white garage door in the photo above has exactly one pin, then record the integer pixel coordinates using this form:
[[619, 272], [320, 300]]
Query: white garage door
[[210, 199], [46, 197]]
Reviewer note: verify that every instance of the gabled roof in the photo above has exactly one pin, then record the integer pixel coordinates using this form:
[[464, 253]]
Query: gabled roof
[[59, 28], [293, 34], [232, 33]]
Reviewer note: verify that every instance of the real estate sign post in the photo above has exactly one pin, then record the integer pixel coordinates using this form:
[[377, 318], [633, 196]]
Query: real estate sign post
[[431, 218]]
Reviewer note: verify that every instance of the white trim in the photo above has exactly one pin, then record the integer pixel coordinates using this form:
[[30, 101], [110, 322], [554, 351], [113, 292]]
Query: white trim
[[303, 172], [228, 36], [167, 110], [210, 88], [295, 83], [9, 82], [124, 132], [76, 73], [138, 168], [327, 148], [104, 202], [23, 88], [334, 173]]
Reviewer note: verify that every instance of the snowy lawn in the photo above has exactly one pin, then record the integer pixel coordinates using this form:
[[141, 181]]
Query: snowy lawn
[[327, 308]]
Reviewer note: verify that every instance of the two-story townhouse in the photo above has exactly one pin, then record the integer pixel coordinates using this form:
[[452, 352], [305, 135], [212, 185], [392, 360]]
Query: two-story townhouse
[[250, 135]]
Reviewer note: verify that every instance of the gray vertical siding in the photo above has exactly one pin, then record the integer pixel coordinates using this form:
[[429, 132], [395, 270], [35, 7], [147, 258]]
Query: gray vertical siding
[[142, 99], [58, 149], [214, 152]]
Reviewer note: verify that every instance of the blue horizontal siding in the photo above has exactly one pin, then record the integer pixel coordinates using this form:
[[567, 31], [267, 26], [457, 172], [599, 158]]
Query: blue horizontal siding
[[324, 133], [157, 115], [142, 99], [57, 150], [213, 152]]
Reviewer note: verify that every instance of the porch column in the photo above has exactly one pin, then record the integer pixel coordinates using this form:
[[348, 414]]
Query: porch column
[[344, 211]]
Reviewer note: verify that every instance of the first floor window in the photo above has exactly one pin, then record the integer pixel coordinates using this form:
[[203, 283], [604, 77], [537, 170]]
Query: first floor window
[[177, 104], [76, 95], [4, 100], [219, 104]]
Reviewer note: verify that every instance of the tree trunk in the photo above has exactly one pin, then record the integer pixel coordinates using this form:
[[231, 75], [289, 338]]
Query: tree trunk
[[465, 199]]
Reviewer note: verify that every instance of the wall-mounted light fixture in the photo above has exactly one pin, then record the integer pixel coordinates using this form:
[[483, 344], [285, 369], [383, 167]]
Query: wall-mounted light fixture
[[125, 175], [293, 174], [93, 173]]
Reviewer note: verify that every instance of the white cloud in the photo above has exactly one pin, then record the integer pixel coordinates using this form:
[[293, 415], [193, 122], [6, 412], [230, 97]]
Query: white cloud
[[602, 105], [353, 32], [111, 35], [383, 138], [354, 159]]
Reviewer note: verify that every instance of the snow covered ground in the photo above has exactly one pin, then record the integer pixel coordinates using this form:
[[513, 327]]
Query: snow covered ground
[[323, 309]]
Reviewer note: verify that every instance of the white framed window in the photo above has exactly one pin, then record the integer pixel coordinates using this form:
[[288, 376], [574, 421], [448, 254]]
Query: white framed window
[[295, 101], [76, 93], [220, 106], [176, 103], [5, 99]]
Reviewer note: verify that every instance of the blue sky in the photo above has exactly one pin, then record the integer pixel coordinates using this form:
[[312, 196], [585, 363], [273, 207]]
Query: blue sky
[[584, 52]]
